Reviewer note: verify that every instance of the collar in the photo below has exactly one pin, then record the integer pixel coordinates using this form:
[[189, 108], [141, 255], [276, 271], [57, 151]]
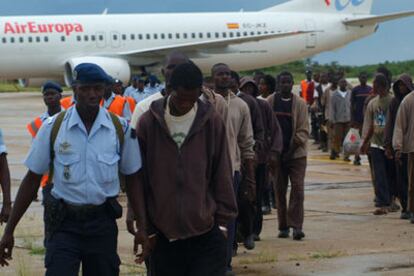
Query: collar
[[101, 120]]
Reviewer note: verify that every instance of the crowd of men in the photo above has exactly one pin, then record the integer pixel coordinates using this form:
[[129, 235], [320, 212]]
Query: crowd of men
[[201, 161]]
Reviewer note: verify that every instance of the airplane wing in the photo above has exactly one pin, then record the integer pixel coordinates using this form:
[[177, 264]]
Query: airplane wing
[[372, 20], [205, 46]]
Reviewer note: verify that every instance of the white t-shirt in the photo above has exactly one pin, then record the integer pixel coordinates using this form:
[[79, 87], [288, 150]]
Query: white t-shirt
[[179, 126], [343, 93], [324, 87], [142, 107]]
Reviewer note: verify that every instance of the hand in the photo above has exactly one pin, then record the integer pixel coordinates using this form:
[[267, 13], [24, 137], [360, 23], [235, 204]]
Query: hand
[[388, 153], [398, 157], [5, 213], [131, 223], [6, 248], [147, 245], [364, 149]]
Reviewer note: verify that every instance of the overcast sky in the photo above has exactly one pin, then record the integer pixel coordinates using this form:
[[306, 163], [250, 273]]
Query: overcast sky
[[394, 40]]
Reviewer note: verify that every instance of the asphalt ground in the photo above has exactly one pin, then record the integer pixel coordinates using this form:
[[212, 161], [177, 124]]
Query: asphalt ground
[[342, 235]]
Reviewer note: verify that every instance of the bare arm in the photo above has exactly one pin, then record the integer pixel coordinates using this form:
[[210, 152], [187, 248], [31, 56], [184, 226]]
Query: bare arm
[[5, 186]]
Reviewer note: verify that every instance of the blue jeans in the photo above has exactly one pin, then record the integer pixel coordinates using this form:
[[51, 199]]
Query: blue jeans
[[381, 165], [92, 243]]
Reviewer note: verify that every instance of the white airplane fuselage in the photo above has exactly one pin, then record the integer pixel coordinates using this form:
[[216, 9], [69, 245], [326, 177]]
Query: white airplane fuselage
[[40, 47]]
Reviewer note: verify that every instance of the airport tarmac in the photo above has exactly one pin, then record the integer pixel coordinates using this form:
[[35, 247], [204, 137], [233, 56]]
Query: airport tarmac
[[342, 235]]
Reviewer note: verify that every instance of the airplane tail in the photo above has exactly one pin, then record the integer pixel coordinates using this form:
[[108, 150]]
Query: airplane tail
[[324, 6]]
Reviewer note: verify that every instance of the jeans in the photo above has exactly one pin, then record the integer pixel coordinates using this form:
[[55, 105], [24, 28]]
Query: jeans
[[261, 172], [382, 176]]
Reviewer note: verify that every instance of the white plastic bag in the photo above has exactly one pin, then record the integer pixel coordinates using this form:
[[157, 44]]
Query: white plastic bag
[[352, 142]]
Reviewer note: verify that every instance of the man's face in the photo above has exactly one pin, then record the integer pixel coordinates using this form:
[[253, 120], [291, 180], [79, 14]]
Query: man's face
[[363, 79], [249, 88], [324, 78], [141, 85], [170, 65], [342, 84], [286, 84], [118, 89], [309, 75], [222, 77], [184, 99], [90, 95], [51, 97], [379, 89], [263, 88], [402, 88]]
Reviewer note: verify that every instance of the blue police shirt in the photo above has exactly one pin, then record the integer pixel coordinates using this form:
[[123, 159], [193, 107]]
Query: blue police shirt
[[85, 166], [3, 148], [126, 113]]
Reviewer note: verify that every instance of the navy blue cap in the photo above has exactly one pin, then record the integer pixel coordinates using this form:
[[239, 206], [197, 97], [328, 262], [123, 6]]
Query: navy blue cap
[[86, 73], [51, 85]]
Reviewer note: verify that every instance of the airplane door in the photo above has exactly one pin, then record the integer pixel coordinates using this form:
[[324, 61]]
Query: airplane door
[[115, 39], [100, 40], [311, 38]]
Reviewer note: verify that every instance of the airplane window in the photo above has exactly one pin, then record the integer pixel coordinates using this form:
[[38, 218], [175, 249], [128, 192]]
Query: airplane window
[[124, 37], [245, 34], [4, 40], [12, 39], [155, 36], [101, 37], [185, 35], [238, 34], [140, 36], [162, 36], [78, 38], [200, 35], [21, 39], [193, 35], [93, 38], [231, 34], [62, 38], [46, 39], [170, 36], [37, 39], [259, 33], [148, 36], [266, 32], [177, 36], [224, 35], [217, 35], [252, 33], [115, 37], [208, 35], [86, 38], [30, 39], [132, 37]]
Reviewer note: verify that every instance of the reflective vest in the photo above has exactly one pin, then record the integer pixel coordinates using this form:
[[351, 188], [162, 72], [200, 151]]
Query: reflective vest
[[66, 102], [131, 103], [34, 126], [308, 91], [33, 129], [117, 105]]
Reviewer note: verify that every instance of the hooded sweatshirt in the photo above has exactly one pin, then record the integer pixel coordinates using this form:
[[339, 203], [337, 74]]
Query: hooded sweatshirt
[[394, 106]]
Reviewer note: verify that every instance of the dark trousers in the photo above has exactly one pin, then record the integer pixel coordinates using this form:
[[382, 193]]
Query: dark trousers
[[411, 182], [246, 217], [381, 165], [340, 132], [315, 126], [92, 243], [293, 215], [232, 226], [261, 172], [402, 181], [203, 255]]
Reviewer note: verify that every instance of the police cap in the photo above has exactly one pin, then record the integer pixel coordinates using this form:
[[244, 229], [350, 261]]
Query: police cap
[[86, 73], [51, 85]]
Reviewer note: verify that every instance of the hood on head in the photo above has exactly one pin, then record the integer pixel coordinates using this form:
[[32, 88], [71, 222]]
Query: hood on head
[[408, 82]]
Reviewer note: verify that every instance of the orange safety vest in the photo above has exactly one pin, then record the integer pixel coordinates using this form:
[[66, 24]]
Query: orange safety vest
[[117, 105], [66, 102], [308, 91], [33, 129], [131, 103]]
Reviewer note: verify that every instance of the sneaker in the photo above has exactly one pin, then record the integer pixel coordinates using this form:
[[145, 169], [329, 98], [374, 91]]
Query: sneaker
[[381, 211], [405, 215], [333, 156], [266, 210], [249, 242], [256, 238], [298, 234], [284, 234], [357, 162], [393, 207], [346, 159]]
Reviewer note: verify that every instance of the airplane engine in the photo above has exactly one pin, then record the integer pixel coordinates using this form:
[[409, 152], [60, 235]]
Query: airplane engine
[[115, 67], [37, 82]]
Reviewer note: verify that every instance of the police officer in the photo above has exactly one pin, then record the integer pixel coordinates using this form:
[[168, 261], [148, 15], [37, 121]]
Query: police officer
[[86, 146], [4, 181]]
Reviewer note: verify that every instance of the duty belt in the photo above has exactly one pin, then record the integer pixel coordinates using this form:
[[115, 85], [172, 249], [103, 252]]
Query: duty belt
[[85, 212]]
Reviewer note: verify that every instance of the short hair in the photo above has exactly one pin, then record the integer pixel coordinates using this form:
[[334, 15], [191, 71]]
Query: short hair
[[175, 54], [215, 66], [187, 76], [270, 82], [234, 75], [286, 74], [381, 80], [387, 73]]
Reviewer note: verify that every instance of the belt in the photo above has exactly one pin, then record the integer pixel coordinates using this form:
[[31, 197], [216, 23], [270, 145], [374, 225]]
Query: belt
[[85, 212]]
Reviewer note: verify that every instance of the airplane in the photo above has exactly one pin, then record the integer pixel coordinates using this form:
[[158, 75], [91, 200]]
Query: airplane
[[36, 48]]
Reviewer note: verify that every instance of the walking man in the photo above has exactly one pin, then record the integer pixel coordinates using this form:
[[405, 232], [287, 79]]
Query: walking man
[[4, 182], [291, 112], [87, 148]]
